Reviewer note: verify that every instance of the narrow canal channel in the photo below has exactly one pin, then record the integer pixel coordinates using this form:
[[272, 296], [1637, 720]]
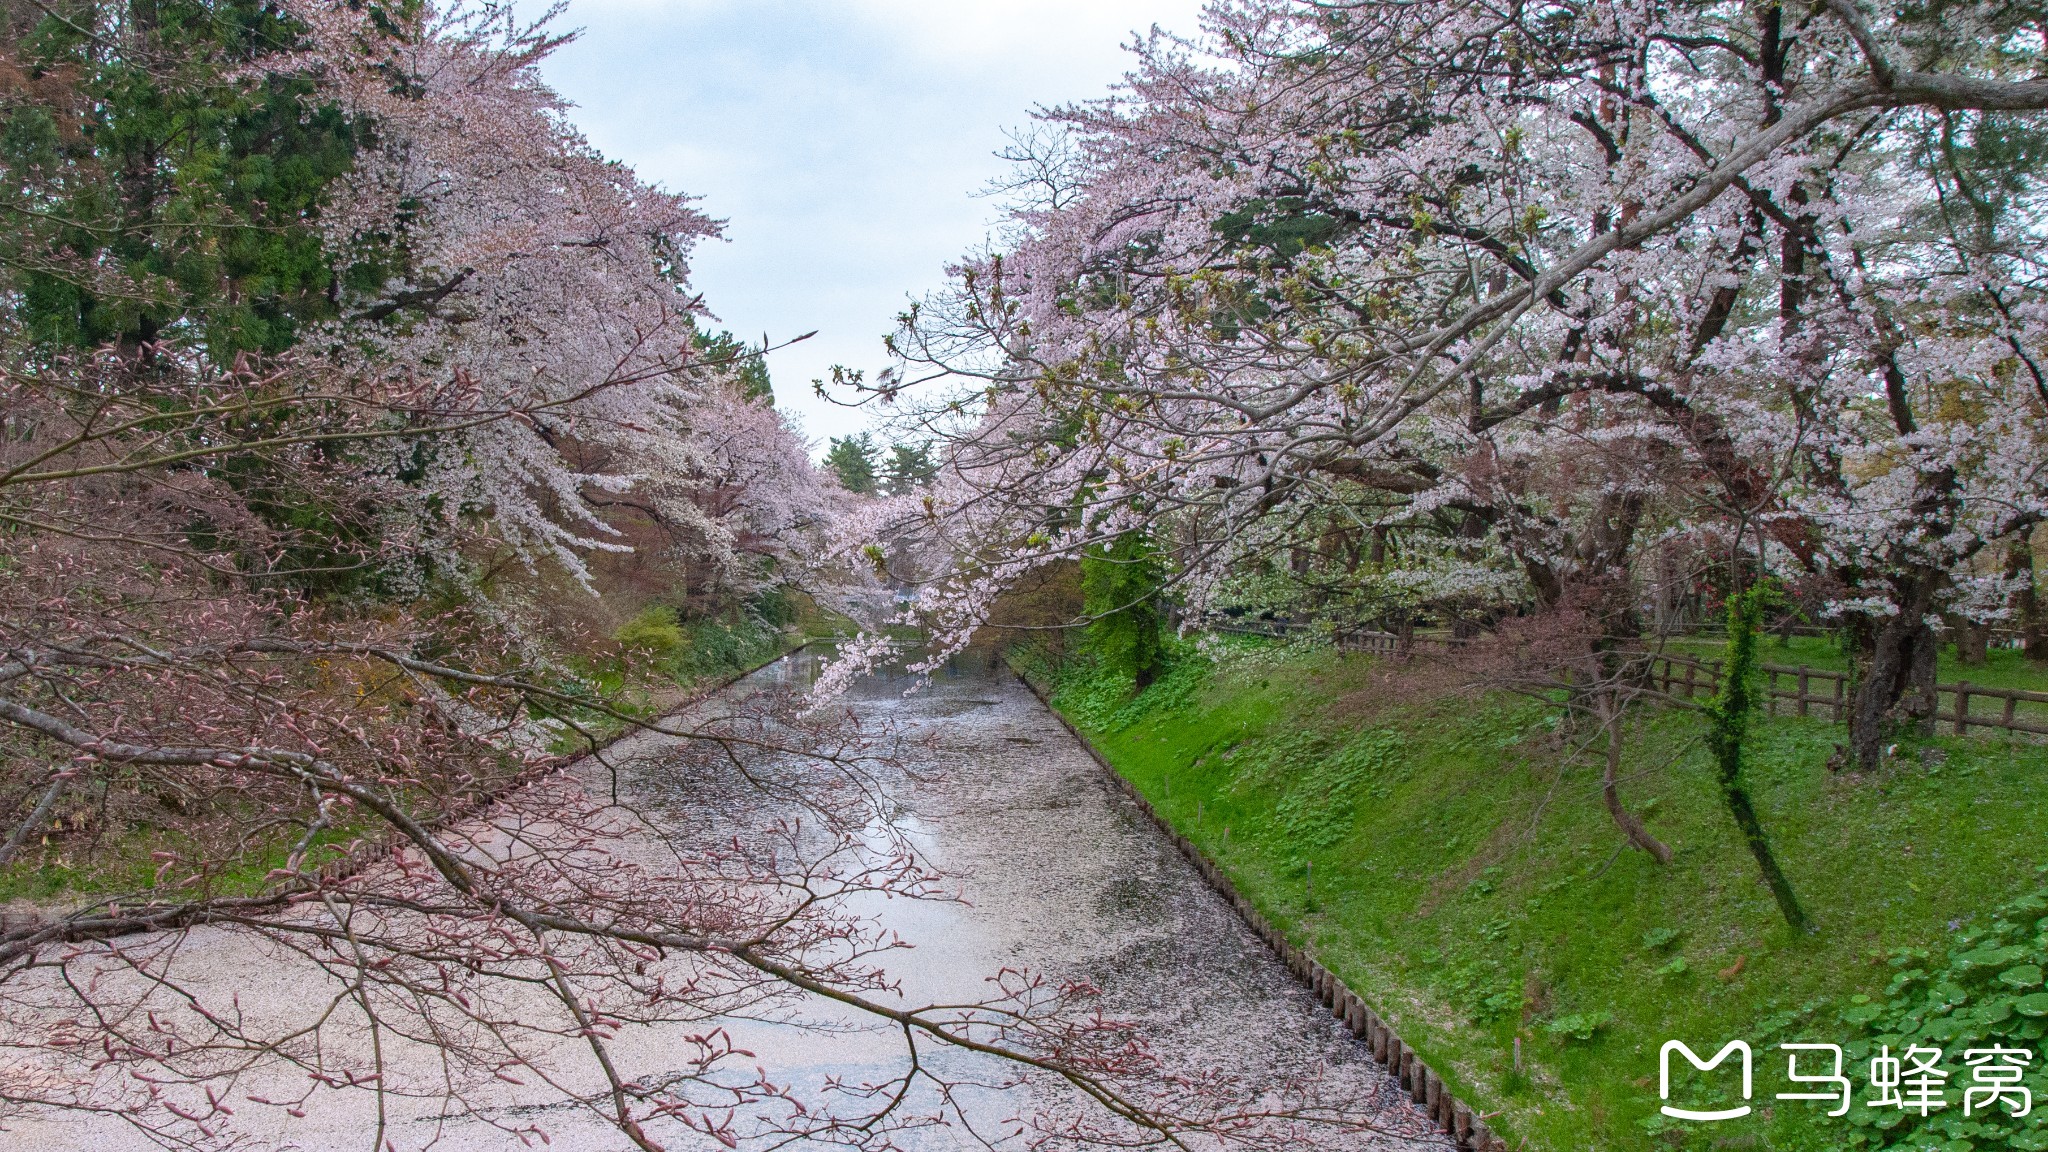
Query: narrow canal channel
[[1061, 873], [1052, 870]]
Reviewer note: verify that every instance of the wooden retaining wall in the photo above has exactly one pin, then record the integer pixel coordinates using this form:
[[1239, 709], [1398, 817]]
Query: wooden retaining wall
[[1459, 1121]]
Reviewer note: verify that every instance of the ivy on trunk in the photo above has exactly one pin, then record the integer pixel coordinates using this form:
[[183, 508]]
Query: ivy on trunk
[[1727, 729]]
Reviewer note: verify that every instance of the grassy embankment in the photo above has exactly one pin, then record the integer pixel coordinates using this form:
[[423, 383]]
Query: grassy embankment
[[1451, 859], [653, 663]]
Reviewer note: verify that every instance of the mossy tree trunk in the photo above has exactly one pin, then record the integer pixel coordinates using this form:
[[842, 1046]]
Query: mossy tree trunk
[[2027, 607], [1727, 729]]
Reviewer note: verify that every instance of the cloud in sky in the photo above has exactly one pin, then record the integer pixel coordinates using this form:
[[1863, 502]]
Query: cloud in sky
[[842, 141]]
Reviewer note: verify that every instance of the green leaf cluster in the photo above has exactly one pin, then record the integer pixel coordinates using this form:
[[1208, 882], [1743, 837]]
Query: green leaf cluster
[[1984, 991], [852, 460]]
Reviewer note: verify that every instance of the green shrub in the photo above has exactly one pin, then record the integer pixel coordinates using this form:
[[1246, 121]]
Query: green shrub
[[1100, 694], [1579, 1026], [656, 633], [1120, 590]]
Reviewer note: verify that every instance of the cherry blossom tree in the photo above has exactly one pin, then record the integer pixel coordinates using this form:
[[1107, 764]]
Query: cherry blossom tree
[[538, 272], [250, 670], [1501, 294]]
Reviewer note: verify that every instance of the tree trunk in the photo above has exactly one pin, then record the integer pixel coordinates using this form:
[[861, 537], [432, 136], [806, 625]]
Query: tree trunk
[[1787, 624], [1973, 641], [1896, 687], [1630, 826], [1727, 729], [2027, 606], [1670, 593], [41, 812]]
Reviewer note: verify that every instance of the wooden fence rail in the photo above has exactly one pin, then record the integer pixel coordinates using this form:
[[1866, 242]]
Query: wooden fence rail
[[1366, 640], [1802, 690], [1686, 677]]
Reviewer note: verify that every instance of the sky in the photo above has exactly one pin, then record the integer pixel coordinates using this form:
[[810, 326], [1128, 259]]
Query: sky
[[842, 142]]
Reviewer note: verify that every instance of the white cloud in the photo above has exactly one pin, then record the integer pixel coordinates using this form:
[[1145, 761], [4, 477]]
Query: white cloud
[[842, 141]]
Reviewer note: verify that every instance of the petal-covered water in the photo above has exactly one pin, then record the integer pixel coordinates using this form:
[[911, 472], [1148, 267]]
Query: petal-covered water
[[1050, 870]]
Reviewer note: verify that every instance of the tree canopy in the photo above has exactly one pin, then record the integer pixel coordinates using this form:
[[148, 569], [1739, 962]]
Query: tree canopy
[[1375, 312]]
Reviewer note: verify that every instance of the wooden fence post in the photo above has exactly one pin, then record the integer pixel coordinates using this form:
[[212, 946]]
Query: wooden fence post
[[1962, 692], [1804, 674]]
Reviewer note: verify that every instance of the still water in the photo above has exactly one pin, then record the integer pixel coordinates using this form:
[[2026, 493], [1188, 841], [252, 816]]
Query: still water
[[1061, 873], [1052, 870]]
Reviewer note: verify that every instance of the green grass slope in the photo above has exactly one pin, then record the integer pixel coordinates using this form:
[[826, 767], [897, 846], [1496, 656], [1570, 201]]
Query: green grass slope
[[1450, 857], [656, 662]]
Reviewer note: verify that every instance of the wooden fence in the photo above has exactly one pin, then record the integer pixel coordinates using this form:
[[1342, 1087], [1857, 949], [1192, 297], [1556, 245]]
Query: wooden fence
[[1806, 691], [1358, 640], [1788, 690]]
